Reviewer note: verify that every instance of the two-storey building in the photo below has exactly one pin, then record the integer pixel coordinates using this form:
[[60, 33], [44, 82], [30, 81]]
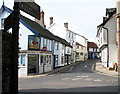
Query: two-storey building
[[68, 35], [93, 51], [81, 48]]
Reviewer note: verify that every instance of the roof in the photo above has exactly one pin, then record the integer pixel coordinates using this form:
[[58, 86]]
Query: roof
[[92, 45], [63, 41], [37, 29], [79, 44], [110, 12]]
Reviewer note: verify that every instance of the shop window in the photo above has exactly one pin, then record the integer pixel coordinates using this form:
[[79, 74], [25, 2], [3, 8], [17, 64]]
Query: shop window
[[56, 59], [44, 60], [49, 59], [41, 60]]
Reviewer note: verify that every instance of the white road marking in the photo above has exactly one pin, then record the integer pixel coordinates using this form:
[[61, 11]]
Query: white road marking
[[85, 76], [78, 76], [66, 78], [77, 79], [97, 80], [85, 66], [71, 68], [88, 79]]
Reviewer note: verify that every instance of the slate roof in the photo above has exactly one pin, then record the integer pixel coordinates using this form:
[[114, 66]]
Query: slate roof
[[110, 12], [63, 41], [38, 29]]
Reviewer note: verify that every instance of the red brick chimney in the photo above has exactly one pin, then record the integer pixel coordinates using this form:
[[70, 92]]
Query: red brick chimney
[[41, 21]]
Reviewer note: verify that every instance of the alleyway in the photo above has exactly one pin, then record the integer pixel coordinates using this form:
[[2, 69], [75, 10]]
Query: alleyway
[[78, 78]]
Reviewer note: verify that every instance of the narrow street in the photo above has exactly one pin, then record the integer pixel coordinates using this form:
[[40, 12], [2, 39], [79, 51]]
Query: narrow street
[[78, 78]]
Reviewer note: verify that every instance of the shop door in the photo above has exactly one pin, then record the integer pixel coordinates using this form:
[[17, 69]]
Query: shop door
[[33, 63]]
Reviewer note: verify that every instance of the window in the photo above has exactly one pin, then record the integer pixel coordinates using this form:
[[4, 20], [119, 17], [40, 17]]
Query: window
[[2, 23], [72, 35], [69, 34], [44, 41], [81, 53], [49, 59], [21, 60], [62, 47], [56, 45]]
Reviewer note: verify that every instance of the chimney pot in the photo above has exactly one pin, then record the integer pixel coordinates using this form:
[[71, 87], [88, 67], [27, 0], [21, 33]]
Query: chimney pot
[[51, 20]]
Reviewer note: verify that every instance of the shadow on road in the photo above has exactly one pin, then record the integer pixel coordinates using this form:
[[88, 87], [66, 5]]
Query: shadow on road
[[99, 89]]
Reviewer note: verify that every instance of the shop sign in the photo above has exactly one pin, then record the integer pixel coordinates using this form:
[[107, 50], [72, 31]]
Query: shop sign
[[31, 8], [33, 43]]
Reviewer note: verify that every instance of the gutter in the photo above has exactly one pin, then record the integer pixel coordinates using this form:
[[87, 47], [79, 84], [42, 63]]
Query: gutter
[[107, 46]]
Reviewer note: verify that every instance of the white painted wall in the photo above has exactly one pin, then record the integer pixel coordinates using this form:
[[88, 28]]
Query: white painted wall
[[112, 27], [23, 37], [58, 30]]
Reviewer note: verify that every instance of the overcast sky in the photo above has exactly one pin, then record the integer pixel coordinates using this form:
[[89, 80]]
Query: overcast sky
[[83, 16]]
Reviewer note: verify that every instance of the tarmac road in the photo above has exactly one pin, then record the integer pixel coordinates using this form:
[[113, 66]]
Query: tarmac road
[[77, 78]]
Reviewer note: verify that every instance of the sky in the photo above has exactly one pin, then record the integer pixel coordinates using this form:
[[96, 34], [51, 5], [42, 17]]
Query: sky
[[83, 16]]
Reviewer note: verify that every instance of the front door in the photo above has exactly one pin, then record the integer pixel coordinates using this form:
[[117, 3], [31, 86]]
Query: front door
[[33, 63]]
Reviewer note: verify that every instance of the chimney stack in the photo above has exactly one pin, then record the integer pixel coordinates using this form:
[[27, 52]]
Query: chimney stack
[[41, 21], [51, 20], [42, 17], [66, 25]]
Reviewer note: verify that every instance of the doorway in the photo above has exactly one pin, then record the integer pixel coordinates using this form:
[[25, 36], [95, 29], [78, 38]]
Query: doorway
[[33, 63]]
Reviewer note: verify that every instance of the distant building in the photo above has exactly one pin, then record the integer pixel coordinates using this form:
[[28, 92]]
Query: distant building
[[92, 50], [81, 48]]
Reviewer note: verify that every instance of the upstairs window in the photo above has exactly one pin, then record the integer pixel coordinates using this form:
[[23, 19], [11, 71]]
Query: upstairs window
[[56, 45]]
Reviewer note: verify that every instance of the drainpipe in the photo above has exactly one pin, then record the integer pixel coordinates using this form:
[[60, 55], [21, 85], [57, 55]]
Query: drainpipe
[[107, 46]]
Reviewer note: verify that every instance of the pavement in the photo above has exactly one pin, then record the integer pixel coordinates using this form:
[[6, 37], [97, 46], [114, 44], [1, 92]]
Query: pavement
[[98, 67], [95, 68], [49, 73]]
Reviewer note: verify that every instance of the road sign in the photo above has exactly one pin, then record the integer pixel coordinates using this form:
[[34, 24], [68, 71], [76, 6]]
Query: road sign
[[31, 8], [8, 23], [44, 49]]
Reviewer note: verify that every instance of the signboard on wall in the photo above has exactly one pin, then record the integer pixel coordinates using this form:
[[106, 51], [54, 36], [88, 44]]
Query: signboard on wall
[[31, 8], [33, 43]]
